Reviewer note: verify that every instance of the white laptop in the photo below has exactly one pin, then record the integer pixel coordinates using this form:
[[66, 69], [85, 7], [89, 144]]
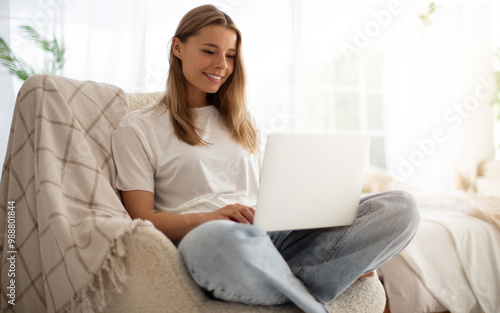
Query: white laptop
[[311, 180]]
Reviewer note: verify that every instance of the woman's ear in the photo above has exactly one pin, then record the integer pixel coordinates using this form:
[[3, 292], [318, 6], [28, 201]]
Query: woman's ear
[[176, 47]]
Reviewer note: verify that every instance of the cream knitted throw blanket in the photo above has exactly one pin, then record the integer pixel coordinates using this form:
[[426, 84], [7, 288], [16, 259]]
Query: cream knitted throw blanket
[[62, 219]]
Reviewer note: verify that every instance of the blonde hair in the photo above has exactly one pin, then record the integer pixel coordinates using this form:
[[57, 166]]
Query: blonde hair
[[230, 99]]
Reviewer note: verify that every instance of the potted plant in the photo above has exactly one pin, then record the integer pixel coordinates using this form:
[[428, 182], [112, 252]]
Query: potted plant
[[23, 70]]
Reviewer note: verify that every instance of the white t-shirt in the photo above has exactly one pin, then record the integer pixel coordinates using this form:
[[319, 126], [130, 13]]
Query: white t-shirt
[[184, 178]]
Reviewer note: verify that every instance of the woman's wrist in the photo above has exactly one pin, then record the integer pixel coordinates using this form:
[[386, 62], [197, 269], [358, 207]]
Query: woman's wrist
[[196, 219]]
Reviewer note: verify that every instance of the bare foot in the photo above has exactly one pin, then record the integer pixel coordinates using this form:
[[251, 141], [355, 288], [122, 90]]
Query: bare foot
[[370, 274]]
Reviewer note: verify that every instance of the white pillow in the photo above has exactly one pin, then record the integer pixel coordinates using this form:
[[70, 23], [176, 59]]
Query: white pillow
[[488, 186]]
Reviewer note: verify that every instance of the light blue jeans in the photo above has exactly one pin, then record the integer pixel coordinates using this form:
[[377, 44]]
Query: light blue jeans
[[242, 263]]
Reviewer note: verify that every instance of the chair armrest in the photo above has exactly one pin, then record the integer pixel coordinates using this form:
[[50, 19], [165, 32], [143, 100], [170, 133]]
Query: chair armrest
[[156, 276]]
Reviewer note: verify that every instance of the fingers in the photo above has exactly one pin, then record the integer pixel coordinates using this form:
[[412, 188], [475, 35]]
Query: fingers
[[239, 213], [248, 213]]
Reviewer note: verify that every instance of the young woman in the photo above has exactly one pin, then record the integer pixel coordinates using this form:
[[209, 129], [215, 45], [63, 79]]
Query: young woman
[[190, 165]]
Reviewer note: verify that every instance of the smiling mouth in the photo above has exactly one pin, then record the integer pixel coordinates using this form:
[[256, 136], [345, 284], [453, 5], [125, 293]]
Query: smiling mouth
[[213, 77]]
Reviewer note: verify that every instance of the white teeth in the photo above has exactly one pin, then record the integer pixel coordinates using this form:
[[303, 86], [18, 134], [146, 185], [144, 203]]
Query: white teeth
[[213, 76]]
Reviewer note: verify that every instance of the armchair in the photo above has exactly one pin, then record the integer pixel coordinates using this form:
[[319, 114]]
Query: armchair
[[76, 248]]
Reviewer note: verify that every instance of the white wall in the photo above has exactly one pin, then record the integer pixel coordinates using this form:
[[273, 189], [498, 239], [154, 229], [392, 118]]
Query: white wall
[[6, 88]]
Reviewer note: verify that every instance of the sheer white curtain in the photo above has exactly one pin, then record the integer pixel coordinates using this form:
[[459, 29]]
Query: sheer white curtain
[[108, 41], [439, 89], [313, 66]]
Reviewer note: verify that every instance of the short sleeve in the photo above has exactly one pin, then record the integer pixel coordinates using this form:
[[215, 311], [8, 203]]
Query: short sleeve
[[132, 161]]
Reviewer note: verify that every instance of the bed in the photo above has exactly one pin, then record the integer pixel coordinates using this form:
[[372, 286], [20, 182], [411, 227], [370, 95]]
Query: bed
[[453, 263]]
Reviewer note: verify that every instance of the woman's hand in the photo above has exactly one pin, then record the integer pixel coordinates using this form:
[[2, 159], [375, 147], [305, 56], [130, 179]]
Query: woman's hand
[[232, 212], [140, 204]]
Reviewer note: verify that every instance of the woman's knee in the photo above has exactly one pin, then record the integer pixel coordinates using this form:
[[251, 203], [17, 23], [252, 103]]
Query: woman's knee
[[409, 208], [404, 211], [398, 208]]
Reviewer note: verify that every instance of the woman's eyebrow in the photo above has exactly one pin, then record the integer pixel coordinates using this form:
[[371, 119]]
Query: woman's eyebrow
[[217, 47]]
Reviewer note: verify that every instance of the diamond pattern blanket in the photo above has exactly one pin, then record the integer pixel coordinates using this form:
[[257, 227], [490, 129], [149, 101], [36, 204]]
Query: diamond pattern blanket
[[62, 219]]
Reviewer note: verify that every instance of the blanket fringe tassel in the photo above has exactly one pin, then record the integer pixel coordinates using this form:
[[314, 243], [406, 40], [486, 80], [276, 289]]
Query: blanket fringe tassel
[[93, 297]]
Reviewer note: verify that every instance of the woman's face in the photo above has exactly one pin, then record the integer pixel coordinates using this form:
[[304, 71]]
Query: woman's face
[[207, 59]]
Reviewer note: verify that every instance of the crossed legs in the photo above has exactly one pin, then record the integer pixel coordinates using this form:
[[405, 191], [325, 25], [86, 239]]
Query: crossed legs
[[242, 263]]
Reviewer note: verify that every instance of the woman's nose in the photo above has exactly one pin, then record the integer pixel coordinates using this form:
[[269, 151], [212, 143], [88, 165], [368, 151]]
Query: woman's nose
[[221, 62]]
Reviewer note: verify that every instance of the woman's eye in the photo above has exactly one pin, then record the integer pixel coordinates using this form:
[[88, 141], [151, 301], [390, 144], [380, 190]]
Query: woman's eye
[[230, 56], [208, 52]]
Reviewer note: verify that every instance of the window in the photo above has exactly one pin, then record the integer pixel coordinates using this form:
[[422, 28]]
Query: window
[[335, 93]]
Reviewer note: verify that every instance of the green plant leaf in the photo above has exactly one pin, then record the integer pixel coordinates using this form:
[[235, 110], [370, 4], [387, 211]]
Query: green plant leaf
[[20, 68], [32, 34], [14, 65], [57, 51], [426, 18]]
